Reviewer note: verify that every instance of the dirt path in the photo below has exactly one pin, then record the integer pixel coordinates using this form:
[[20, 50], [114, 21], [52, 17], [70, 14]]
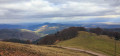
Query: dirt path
[[89, 52], [85, 51]]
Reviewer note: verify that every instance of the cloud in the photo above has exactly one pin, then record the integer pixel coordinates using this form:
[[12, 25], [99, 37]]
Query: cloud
[[14, 11], [11, 1], [109, 23]]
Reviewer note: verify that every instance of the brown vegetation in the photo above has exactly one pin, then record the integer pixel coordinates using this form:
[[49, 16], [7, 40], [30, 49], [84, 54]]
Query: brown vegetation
[[16, 49]]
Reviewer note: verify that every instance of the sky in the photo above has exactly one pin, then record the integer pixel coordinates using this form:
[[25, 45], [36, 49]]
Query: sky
[[60, 11]]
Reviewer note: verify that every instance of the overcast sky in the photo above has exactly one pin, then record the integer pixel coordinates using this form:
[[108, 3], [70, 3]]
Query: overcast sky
[[60, 11]]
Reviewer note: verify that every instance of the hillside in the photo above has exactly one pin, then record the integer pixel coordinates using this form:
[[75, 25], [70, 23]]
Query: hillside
[[60, 36], [48, 29], [16, 49], [47, 25], [18, 34], [90, 41]]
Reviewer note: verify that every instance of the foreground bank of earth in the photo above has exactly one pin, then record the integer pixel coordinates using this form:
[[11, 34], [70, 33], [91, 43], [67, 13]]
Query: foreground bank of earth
[[15, 49]]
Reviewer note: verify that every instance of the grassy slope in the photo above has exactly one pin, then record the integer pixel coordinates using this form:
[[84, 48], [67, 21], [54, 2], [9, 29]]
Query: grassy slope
[[16, 49], [90, 41]]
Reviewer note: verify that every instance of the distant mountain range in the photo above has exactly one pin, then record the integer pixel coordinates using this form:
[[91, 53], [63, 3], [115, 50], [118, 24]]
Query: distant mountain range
[[9, 26], [18, 34], [35, 31], [35, 26]]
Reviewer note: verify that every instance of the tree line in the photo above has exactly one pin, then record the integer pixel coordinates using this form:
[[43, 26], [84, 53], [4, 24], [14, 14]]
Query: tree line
[[61, 35], [72, 32], [100, 31], [17, 41]]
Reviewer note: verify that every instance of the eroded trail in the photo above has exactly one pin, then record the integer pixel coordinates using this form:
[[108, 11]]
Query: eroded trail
[[89, 52], [81, 50]]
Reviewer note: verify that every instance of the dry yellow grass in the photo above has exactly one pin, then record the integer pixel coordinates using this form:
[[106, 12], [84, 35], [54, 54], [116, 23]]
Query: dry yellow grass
[[16, 49]]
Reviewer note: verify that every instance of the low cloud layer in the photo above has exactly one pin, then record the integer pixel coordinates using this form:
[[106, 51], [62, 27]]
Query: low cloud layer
[[59, 11]]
